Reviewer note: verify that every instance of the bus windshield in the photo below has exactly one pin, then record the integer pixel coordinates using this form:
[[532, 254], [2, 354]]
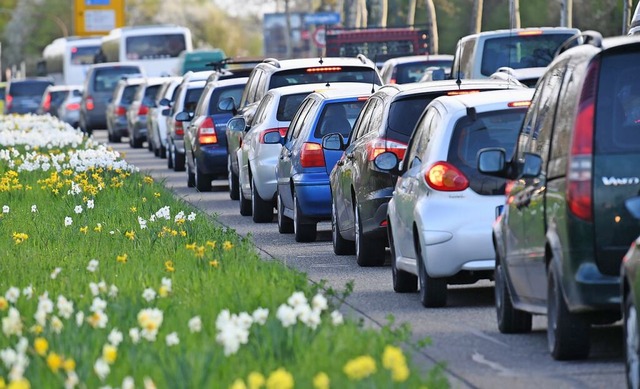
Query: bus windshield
[[155, 46]]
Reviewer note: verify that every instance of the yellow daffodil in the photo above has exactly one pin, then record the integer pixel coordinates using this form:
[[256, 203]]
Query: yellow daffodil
[[122, 258], [199, 251], [400, 373], [41, 346], [69, 365], [67, 172], [214, 263], [54, 361], [227, 245], [168, 266], [133, 209], [180, 221], [84, 229], [183, 233], [280, 379], [174, 233], [255, 380], [163, 291], [360, 367], [392, 356], [130, 234], [19, 237], [321, 381], [36, 329], [109, 353], [98, 227], [20, 383], [3, 384], [144, 199], [4, 304], [191, 246], [238, 384], [148, 180], [156, 194], [211, 244]]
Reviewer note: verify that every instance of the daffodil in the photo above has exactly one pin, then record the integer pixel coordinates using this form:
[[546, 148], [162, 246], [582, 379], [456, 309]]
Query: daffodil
[[69, 365], [122, 258], [84, 229], [214, 263], [98, 228], [109, 353], [54, 361], [360, 367], [130, 234], [4, 304], [41, 346], [168, 266], [211, 244], [238, 384], [321, 381], [21, 383], [227, 245], [255, 380], [199, 252], [156, 194], [280, 379], [191, 246]]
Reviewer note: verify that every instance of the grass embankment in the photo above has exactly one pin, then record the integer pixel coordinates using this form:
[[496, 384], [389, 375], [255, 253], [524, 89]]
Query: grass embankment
[[108, 280]]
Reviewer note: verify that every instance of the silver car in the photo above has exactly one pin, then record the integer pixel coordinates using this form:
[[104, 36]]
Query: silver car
[[69, 109], [156, 119]]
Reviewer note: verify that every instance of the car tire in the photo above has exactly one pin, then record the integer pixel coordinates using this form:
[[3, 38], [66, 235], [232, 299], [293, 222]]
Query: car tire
[[341, 246], [202, 181], [245, 204], [191, 177], [631, 341], [169, 158], [433, 291], [149, 146], [134, 142], [163, 152], [369, 252], [304, 232], [403, 282], [567, 333], [262, 210], [178, 161], [285, 225], [234, 184], [109, 136], [510, 320]]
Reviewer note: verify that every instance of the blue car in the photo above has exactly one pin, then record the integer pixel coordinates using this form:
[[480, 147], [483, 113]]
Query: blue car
[[302, 172]]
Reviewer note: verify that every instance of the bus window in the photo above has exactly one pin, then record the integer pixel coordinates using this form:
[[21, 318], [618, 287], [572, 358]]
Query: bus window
[[155, 46], [83, 55]]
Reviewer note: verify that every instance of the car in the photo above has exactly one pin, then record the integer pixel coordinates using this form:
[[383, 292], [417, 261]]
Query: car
[[440, 217], [205, 140], [482, 54], [634, 28], [629, 272], [25, 95], [117, 106], [564, 229], [186, 98], [99, 83], [261, 146], [69, 109], [54, 96], [302, 172], [273, 73], [403, 70], [360, 189], [156, 118], [527, 76], [3, 88], [139, 109]]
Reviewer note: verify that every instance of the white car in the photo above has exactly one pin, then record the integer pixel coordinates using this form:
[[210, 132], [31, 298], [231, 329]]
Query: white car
[[258, 155], [157, 121], [442, 210]]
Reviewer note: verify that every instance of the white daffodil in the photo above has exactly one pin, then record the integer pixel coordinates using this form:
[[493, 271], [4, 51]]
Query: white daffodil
[[5, 209], [12, 294], [34, 208], [98, 304], [79, 318], [336, 318], [115, 337], [93, 265], [28, 292], [68, 221], [65, 307], [172, 339], [12, 323], [319, 302], [134, 334], [286, 315], [56, 324], [55, 273], [113, 291], [149, 294], [297, 298], [195, 324], [260, 315], [101, 368], [90, 204], [78, 209]]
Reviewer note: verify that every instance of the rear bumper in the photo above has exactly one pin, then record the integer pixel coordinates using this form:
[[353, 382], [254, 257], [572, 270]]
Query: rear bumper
[[373, 213], [590, 290], [314, 195], [211, 160]]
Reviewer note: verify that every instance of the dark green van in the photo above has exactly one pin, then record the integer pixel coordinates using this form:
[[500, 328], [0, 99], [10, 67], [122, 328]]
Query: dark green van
[[197, 60]]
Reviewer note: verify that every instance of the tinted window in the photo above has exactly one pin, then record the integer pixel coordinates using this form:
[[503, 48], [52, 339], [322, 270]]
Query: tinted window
[[308, 76], [28, 88], [83, 55], [128, 94], [150, 93], [520, 51], [413, 72], [191, 99], [155, 46], [489, 129], [105, 79], [58, 97], [404, 114], [618, 104], [338, 117], [288, 106], [2, 91], [235, 92]]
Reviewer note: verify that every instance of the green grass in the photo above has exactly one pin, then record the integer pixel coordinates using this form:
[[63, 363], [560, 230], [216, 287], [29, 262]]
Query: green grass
[[210, 269]]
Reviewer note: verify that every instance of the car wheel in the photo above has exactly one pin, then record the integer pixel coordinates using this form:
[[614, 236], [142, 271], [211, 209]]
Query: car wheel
[[510, 320], [631, 341], [169, 158], [341, 246], [191, 177], [234, 184], [403, 282], [262, 210], [109, 136], [163, 152], [245, 204], [149, 145], [369, 252], [202, 181], [285, 225], [304, 232], [178, 161], [156, 150], [433, 291], [567, 333]]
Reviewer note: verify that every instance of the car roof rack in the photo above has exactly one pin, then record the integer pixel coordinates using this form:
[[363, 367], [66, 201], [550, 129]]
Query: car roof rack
[[589, 37], [272, 61]]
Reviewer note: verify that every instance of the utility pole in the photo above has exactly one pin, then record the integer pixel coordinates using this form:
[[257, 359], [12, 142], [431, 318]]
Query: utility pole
[[566, 13], [514, 13], [287, 15]]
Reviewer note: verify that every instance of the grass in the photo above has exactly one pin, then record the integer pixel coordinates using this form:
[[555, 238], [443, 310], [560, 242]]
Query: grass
[[79, 226]]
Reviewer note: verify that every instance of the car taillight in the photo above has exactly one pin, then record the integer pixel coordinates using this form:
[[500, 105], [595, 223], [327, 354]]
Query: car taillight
[[281, 130], [9, 101], [143, 110], [121, 111], [207, 132], [46, 104], [89, 103], [445, 177], [179, 130], [312, 155], [579, 190], [379, 146], [72, 106]]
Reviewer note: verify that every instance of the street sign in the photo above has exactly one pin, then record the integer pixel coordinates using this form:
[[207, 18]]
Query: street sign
[[98, 17], [319, 37], [322, 18]]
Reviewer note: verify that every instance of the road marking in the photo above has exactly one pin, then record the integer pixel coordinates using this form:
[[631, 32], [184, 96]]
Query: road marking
[[479, 358], [328, 265]]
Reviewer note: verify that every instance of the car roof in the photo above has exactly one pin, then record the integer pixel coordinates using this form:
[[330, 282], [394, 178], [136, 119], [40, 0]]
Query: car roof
[[420, 58], [229, 81], [58, 88], [447, 85], [486, 100], [197, 76], [612, 42], [345, 90], [297, 63], [521, 31], [114, 65], [299, 88]]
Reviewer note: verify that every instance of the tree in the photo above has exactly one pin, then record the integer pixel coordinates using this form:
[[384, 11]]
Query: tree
[[476, 17], [432, 26], [411, 14], [514, 13]]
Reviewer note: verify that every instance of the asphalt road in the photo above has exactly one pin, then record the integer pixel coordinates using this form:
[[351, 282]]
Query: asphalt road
[[464, 335]]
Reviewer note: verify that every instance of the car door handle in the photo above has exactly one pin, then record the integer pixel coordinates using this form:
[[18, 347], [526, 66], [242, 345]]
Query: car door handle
[[340, 162]]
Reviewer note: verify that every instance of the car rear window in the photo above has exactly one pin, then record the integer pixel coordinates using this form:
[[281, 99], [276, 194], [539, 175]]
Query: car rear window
[[233, 91], [150, 94], [489, 129], [520, 51], [413, 72], [106, 79], [58, 97], [28, 88], [617, 117], [128, 94], [338, 117], [324, 74], [191, 98], [288, 106]]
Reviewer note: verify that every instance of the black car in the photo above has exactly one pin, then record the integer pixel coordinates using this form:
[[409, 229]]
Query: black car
[[24, 96], [560, 240], [357, 184]]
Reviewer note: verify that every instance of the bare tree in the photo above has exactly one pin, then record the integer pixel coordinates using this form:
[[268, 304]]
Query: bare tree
[[432, 27], [476, 17]]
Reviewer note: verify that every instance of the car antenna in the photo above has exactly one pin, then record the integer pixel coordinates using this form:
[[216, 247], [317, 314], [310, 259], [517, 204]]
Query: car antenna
[[373, 74], [458, 80]]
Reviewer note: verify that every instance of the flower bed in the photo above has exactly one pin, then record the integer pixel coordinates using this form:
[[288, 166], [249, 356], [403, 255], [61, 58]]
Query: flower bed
[[108, 280]]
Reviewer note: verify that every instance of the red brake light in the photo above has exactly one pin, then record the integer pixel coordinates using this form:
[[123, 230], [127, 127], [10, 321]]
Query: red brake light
[[461, 92], [207, 132], [312, 155], [325, 69], [89, 103], [46, 104], [579, 191], [379, 146], [9, 100], [74, 50], [519, 104], [73, 106], [121, 111], [445, 177], [533, 32], [281, 130], [178, 129], [143, 110]]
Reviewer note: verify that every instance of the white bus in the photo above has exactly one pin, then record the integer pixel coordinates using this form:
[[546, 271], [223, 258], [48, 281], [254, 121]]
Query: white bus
[[154, 48], [67, 59]]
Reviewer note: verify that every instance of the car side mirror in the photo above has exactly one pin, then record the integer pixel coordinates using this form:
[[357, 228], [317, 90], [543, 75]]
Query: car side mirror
[[228, 104], [272, 138], [387, 161], [492, 161], [237, 124], [333, 141], [183, 116], [165, 102], [166, 112]]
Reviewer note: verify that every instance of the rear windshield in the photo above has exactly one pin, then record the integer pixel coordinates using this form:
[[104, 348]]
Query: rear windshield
[[28, 88], [83, 55], [489, 129], [106, 79], [288, 106], [191, 99], [58, 97], [520, 51], [128, 94], [413, 72], [220, 93], [618, 104], [155, 46], [338, 117], [150, 94], [324, 74]]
